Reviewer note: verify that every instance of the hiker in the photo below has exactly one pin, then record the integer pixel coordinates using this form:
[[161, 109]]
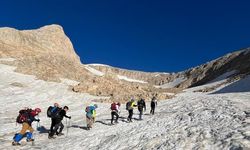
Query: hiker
[[26, 117], [129, 107], [115, 112], [90, 115], [141, 105], [58, 123], [52, 112], [153, 105]]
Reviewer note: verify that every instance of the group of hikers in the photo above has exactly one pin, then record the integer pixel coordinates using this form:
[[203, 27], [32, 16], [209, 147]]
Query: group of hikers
[[56, 113]]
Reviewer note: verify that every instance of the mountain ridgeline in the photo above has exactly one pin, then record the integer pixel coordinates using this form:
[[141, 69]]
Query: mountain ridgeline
[[48, 54]]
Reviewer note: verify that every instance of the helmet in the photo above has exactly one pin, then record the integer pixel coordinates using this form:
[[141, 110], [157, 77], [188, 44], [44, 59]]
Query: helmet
[[96, 106], [38, 110]]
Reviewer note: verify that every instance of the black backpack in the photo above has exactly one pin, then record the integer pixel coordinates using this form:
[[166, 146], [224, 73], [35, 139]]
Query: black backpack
[[53, 112], [128, 105], [141, 103]]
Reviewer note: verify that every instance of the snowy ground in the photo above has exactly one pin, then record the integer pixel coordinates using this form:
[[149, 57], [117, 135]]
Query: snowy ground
[[188, 121]]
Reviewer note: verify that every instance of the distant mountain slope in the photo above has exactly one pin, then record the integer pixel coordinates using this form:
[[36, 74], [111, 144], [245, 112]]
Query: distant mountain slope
[[48, 54]]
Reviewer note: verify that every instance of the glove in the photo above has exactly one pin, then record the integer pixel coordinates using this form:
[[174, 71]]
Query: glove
[[38, 120], [69, 117]]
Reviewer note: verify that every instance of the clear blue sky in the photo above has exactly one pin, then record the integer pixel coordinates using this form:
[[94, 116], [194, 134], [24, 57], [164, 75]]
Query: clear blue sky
[[147, 35]]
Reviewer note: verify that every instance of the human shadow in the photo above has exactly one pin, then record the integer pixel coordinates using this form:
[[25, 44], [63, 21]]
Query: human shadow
[[137, 119], [102, 122], [81, 127], [42, 130]]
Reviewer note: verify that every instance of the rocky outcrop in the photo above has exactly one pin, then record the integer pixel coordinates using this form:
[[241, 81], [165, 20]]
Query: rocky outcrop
[[46, 52], [238, 61], [155, 78]]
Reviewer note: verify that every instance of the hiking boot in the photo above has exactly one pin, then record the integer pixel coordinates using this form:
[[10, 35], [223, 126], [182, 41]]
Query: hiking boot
[[30, 140], [15, 143], [59, 134], [51, 137]]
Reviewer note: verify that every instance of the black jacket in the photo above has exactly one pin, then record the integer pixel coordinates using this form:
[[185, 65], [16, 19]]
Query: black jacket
[[61, 114], [153, 103], [141, 104]]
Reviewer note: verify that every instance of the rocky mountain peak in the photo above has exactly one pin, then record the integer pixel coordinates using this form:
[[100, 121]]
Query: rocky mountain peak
[[54, 28]]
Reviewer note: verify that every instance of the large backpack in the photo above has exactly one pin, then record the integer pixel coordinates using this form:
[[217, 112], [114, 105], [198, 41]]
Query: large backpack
[[90, 112], [23, 115], [113, 106], [128, 105], [53, 112]]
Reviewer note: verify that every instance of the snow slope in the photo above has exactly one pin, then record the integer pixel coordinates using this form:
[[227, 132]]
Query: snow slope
[[188, 121], [224, 76], [238, 86]]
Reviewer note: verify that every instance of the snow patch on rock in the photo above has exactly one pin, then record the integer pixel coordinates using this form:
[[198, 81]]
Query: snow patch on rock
[[69, 82], [94, 71], [129, 79], [224, 76], [102, 65], [7, 59]]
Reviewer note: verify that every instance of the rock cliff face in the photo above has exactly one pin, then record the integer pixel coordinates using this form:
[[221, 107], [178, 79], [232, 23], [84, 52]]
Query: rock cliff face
[[46, 52], [46, 40]]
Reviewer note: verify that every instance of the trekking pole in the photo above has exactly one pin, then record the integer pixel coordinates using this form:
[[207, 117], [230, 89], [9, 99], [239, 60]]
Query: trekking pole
[[67, 127], [33, 136]]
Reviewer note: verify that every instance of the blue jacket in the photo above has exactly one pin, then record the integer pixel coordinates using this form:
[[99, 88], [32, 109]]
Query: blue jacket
[[91, 111]]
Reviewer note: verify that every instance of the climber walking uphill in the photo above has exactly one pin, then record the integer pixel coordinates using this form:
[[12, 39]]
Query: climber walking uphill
[[153, 105], [130, 107], [141, 105], [90, 115], [53, 112], [58, 123], [26, 117], [115, 112]]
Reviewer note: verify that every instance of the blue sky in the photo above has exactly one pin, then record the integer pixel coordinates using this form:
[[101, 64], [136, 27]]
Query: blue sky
[[146, 35]]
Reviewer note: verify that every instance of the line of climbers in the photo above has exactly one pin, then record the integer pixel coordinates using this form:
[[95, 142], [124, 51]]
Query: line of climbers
[[56, 113]]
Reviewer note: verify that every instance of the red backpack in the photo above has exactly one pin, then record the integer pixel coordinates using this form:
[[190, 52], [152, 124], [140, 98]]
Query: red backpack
[[23, 116], [113, 106]]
